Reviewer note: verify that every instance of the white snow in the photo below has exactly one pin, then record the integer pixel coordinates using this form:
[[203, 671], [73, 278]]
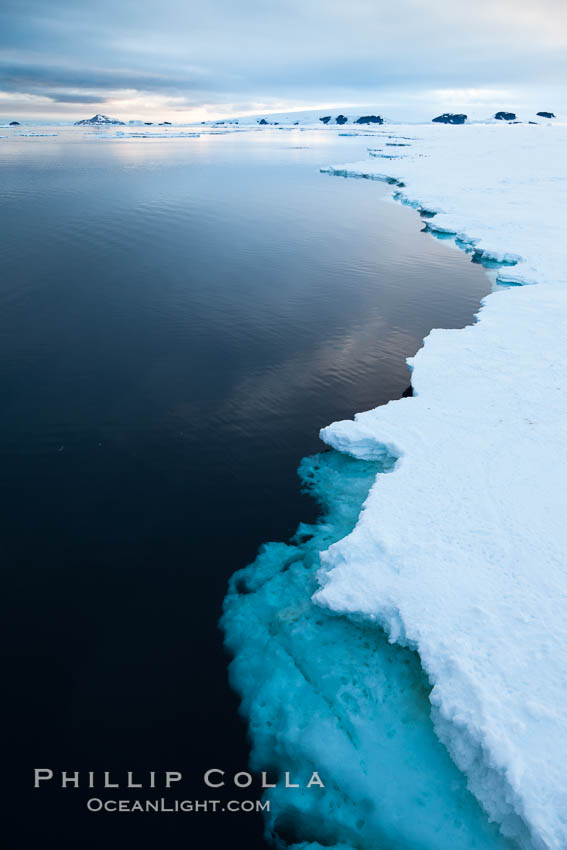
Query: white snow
[[391, 115], [461, 551]]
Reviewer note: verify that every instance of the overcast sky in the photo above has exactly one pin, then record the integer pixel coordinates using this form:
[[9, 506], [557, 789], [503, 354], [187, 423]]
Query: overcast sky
[[187, 60]]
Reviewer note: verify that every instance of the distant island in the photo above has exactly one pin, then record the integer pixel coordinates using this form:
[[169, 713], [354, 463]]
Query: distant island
[[98, 120], [312, 117]]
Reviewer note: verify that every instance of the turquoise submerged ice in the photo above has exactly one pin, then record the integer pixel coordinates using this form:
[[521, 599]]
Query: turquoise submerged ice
[[323, 693]]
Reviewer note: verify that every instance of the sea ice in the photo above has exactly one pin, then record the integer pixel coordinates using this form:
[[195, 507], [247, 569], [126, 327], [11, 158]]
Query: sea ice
[[461, 551]]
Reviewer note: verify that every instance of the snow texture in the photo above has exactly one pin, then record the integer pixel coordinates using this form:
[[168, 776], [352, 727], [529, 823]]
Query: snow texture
[[460, 552]]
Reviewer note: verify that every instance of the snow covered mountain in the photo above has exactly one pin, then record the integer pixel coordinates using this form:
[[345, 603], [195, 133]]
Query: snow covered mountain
[[98, 120]]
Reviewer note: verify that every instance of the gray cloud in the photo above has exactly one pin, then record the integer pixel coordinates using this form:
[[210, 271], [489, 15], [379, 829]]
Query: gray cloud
[[292, 50], [37, 76], [64, 97]]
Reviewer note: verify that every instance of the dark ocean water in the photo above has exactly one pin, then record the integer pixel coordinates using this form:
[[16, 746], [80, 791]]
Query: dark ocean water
[[178, 318]]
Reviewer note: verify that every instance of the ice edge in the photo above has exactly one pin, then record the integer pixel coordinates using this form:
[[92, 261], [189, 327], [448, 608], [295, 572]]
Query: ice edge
[[490, 776]]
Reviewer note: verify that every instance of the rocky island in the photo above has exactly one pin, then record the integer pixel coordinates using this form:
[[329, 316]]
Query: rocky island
[[450, 118]]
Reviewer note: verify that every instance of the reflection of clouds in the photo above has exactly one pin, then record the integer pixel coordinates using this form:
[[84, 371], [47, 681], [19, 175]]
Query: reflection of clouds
[[345, 358]]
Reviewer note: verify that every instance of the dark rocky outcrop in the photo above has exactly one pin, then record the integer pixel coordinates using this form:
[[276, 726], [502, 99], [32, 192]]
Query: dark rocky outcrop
[[369, 119], [262, 121], [168, 123], [14, 123], [325, 119], [450, 118], [546, 114], [98, 120], [505, 116], [149, 123], [341, 119]]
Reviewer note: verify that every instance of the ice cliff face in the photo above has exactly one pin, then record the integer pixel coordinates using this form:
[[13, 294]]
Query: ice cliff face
[[322, 692]]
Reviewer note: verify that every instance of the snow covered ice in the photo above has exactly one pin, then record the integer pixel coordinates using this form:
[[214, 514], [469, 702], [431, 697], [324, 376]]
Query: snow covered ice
[[457, 553], [460, 553]]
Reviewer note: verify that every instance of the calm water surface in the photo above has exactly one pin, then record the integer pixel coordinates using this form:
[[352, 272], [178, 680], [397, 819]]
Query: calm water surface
[[178, 318]]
